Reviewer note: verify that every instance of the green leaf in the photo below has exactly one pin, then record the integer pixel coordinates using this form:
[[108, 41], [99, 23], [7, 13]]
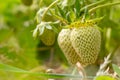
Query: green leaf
[[39, 15], [67, 2], [92, 4], [5, 67], [61, 11], [72, 15], [96, 20], [48, 26], [116, 69], [10, 68], [104, 77], [77, 7], [41, 28], [56, 30], [68, 17], [35, 32]]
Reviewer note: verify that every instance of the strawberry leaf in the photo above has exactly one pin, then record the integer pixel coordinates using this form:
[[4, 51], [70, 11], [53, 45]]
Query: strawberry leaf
[[116, 69]]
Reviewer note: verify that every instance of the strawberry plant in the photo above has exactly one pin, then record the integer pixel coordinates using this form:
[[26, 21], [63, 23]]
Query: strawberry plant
[[79, 37]]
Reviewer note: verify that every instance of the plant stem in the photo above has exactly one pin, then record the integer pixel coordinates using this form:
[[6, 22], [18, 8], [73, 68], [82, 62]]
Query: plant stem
[[104, 65], [59, 18], [52, 4], [81, 71], [73, 72], [114, 50], [40, 2], [84, 16], [51, 57], [104, 5], [93, 4]]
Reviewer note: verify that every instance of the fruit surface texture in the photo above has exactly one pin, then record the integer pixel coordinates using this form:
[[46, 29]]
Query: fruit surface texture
[[80, 44], [66, 46], [86, 41]]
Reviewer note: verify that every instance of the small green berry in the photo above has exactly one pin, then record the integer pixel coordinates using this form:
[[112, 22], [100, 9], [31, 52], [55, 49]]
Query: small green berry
[[48, 37]]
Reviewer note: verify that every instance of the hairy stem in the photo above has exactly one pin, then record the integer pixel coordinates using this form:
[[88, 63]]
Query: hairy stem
[[81, 71], [104, 5], [73, 72], [40, 2], [52, 4], [93, 4], [64, 21]]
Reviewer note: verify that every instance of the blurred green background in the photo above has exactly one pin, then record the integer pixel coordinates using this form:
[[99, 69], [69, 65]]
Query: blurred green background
[[17, 45], [18, 48]]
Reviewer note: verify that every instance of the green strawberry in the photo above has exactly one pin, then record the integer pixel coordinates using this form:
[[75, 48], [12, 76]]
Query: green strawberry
[[86, 41], [66, 46], [48, 37]]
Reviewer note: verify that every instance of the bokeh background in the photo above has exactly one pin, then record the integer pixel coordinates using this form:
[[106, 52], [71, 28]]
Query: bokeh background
[[18, 48]]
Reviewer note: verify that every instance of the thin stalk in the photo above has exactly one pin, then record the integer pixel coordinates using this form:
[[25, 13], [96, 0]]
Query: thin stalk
[[93, 4], [104, 65], [81, 71], [114, 50], [104, 5], [60, 18], [84, 16], [51, 57], [52, 4], [40, 3], [73, 72]]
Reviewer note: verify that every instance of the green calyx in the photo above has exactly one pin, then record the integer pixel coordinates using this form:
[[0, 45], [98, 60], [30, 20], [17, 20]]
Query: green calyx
[[85, 23]]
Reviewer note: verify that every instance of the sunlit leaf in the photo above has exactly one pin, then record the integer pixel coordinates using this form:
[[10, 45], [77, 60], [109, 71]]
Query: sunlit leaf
[[48, 26], [41, 28], [61, 11], [67, 2], [116, 69], [35, 32], [104, 77], [68, 17], [77, 7], [39, 15], [9, 68]]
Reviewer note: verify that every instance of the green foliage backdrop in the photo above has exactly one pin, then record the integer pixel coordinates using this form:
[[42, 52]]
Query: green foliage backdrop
[[18, 48]]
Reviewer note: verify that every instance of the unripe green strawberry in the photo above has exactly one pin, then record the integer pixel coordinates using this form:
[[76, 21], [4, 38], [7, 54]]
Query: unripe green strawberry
[[27, 2], [86, 41], [66, 46], [48, 37]]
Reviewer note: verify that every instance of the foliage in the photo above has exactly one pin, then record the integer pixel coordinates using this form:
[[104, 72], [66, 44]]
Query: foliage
[[21, 45], [116, 69]]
